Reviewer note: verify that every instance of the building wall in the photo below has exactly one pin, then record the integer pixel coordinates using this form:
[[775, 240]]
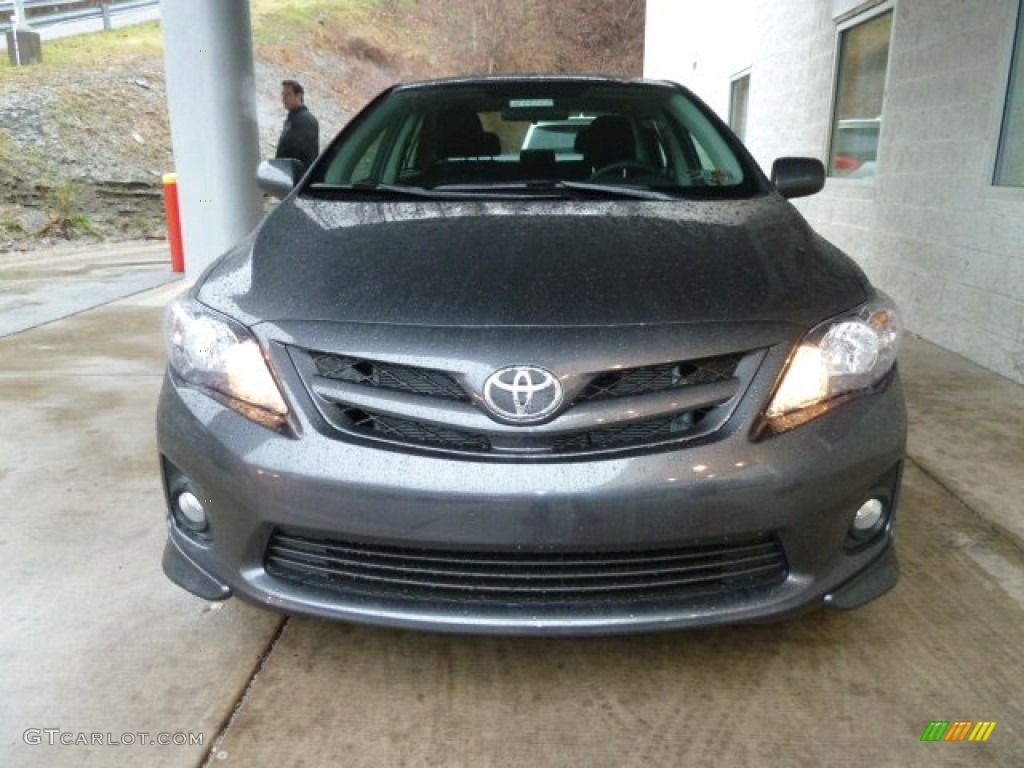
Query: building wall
[[930, 229], [697, 43]]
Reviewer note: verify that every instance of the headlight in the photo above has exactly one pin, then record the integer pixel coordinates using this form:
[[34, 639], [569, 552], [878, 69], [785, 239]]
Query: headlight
[[210, 350], [844, 355]]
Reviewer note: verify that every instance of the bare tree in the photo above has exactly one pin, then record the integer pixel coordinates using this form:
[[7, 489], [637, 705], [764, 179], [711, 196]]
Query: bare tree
[[504, 33], [492, 36], [601, 35]]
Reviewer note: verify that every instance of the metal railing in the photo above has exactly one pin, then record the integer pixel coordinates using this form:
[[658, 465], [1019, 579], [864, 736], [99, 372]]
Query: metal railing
[[104, 11]]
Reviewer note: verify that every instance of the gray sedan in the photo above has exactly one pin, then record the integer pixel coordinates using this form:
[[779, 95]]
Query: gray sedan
[[456, 384]]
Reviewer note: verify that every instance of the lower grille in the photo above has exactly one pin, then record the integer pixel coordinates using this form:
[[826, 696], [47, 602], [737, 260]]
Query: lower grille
[[716, 568]]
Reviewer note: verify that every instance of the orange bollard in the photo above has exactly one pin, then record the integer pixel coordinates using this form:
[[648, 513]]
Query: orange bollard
[[173, 222]]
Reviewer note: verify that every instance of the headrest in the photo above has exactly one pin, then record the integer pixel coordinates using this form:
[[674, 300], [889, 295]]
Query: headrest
[[607, 140], [459, 133]]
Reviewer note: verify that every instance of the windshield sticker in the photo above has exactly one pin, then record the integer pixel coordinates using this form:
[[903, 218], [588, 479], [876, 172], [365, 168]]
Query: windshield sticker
[[528, 103], [715, 176]]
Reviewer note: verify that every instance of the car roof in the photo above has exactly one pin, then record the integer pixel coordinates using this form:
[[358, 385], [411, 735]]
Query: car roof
[[533, 78]]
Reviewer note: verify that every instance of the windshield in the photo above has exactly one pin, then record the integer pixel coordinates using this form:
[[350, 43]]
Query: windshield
[[534, 136]]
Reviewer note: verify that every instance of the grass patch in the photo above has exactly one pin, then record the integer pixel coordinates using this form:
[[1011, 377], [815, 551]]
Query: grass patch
[[277, 21], [65, 217], [7, 151], [272, 21], [94, 49], [84, 223], [303, 12], [17, 161]]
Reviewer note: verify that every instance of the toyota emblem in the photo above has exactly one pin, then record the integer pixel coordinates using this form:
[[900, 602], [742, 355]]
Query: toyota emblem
[[522, 393]]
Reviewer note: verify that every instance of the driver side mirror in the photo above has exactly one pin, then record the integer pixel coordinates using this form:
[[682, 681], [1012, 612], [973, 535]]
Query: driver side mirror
[[279, 176], [798, 176]]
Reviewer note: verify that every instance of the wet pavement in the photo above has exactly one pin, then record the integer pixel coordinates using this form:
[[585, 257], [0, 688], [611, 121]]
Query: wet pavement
[[39, 287], [96, 645]]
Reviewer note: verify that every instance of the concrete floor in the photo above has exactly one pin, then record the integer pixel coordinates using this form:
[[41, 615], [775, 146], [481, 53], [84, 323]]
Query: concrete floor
[[96, 641]]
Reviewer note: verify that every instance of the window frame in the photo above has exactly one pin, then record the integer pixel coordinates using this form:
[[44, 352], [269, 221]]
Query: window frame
[[860, 15], [733, 82], [687, 120], [1014, 68]]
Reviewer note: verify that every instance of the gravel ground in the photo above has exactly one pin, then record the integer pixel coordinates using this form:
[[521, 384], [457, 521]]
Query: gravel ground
[[82, 152]]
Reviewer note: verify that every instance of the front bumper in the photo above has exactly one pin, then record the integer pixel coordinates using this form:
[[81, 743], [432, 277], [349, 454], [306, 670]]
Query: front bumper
[[800, 489]]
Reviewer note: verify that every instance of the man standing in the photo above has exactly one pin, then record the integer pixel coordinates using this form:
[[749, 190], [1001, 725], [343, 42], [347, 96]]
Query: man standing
[[300, 137]]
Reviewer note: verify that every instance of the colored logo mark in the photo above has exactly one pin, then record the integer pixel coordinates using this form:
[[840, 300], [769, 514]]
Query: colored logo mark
[[958, 730]]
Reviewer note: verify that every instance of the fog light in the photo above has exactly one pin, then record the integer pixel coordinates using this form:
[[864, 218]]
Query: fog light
[[191, 510], [867, 516]]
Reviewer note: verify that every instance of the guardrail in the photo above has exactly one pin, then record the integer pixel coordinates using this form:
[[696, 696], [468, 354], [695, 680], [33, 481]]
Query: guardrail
[[8, 6], [103, 11]]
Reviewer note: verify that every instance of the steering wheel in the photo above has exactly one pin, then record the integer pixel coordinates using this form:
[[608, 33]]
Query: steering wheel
[[627, 167]]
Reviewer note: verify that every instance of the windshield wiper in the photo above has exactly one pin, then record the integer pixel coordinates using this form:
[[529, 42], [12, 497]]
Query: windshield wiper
[[674, 192], [373, 188], [497, 191], [552, 187], [640, 193], [461, 192]]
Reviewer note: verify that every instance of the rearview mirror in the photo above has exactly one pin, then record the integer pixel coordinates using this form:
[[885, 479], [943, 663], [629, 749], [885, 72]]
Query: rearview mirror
[[533, 115], [798, 176], [278, 177]]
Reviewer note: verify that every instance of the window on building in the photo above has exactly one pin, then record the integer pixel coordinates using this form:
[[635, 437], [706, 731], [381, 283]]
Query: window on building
[[860, 91], [1010, 161], [739, 97]]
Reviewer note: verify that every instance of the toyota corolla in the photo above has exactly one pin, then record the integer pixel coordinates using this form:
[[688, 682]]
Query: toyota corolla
[[457, 383]]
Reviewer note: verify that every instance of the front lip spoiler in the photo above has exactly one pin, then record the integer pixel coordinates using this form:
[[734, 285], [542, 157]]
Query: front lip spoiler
[[874, 581], [190, 576], [879, 577]]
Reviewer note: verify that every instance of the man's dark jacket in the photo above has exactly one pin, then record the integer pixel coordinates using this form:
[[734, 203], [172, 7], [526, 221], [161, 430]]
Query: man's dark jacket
[[300, 137]]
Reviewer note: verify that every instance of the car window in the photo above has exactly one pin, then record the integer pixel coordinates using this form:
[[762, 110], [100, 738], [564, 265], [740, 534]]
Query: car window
[[558, 135], [364, 164], [527, 133]]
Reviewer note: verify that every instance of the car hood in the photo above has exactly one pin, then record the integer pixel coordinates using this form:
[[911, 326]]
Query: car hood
[[534, 263]]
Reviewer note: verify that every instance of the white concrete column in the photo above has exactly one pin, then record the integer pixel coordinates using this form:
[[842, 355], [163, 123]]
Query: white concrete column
[[211, 97]]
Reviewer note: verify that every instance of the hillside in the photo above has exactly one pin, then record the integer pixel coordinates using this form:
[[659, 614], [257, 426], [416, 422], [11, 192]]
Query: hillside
[[84, 137]]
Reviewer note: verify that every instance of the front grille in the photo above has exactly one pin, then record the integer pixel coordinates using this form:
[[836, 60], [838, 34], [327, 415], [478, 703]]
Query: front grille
[[414, 432], [623, 436], [626, 435], [719, 568], [400, 378], [371, 399], [658, 378]]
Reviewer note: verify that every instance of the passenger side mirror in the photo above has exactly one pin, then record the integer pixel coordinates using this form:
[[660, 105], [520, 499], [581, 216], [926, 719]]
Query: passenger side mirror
[[798, 176], [278, 177]]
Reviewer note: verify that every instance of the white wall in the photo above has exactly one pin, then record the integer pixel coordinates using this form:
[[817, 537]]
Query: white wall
[[931, 230], [699, 44]]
